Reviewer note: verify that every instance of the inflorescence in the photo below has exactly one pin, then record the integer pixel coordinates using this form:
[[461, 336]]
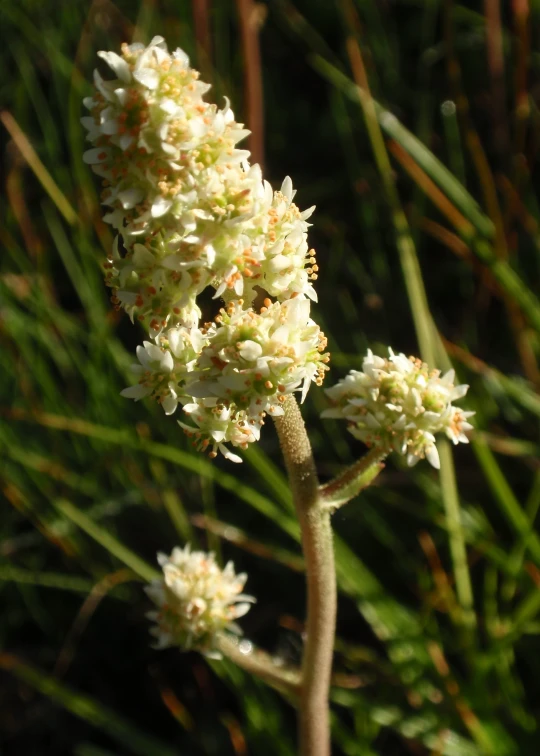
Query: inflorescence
[[190, 214], [196, 601], [399, 404]]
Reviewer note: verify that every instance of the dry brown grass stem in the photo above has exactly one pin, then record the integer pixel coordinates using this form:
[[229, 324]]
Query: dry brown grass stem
[[251, 16]]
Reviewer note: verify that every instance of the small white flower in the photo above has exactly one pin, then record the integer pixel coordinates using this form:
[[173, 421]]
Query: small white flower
[[399, 404], [217, 425], [165, 369], [196, 600], [252, 360]]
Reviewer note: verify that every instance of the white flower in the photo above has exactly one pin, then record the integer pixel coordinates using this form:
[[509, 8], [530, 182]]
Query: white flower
[[399, 404], [252, 360], [288, 266], [165, 369], [217, 425], [196, 600]]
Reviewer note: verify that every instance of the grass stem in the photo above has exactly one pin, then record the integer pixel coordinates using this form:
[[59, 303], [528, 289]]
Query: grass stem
[[423, 322]]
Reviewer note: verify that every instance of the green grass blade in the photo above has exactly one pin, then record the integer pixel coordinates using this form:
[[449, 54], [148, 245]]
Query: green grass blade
[[273, 477], [423, 323], [58, 580], [197, 464], [505, 498], [422, 155], [111, 544], [455, 531], [512, 283], [40, 171]]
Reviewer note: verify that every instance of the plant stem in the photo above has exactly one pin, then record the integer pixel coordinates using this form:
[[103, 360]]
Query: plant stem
[[314, 724], [261, 664], [352, 480]]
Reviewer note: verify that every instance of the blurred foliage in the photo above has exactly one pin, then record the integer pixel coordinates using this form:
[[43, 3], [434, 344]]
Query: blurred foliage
[[92, 485]]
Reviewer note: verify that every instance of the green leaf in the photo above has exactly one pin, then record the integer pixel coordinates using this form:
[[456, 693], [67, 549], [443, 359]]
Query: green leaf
[[111, 544]]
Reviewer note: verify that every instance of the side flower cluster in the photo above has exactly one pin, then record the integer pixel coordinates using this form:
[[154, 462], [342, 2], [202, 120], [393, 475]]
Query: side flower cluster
[[399, 404], [196, 601], [190, 214]]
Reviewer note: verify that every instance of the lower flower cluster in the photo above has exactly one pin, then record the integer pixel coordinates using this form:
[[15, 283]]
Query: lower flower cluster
[[230, 374], [196, 601]]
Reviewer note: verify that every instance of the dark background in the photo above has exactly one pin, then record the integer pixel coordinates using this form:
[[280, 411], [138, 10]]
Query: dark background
[[77, 675]]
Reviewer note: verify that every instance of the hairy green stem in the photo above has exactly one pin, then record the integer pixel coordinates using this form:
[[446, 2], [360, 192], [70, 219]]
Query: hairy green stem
[[314, 722], [348, 483], [261, 664]]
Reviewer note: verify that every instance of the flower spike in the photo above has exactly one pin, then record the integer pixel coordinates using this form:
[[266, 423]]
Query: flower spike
[[192, 214]]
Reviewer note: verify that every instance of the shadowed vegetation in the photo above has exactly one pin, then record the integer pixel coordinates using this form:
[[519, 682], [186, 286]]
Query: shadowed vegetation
[[413, 126]]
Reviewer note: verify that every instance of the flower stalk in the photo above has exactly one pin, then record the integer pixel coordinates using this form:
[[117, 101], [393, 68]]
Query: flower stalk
[[348, 483], [317, 545], [257, 662]]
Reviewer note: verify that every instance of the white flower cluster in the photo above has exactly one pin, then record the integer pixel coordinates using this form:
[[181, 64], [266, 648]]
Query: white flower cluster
[[196, 600], [192, 213], [399, 404]]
